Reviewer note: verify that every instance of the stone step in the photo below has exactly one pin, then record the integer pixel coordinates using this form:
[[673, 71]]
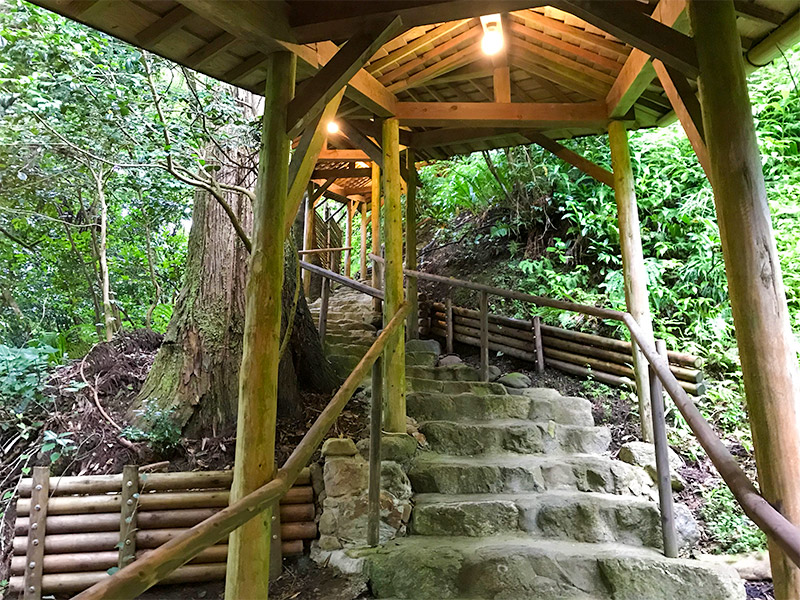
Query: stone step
[[420, 359], [512, 473], [522, 568], [578, 516], [349, 325], [418, 384], [448, 373], [536, 404], [514, 435], [357, 349], [348, 337]]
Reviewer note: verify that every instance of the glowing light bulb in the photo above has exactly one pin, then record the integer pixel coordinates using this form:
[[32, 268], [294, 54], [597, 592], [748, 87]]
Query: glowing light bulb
[[333, 127], [492, 41]]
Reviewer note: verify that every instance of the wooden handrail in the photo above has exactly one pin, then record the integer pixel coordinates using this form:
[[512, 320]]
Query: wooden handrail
[[145, 572], [603, 313], [323, 250], [761, 512], [338, 278]]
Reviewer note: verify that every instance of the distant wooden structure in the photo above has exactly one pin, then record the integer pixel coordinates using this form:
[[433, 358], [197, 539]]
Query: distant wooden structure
[[413, 74]]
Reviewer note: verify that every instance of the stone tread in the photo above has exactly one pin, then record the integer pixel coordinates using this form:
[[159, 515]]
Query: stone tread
[[517, 567], [420, 384], [522, 436]]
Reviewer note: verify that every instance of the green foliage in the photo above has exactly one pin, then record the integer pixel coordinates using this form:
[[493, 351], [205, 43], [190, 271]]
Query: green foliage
[[23, 374], [161, 430], [55, 445], [731, 529]]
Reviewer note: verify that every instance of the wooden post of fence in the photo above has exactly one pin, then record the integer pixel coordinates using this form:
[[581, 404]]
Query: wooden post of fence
[[308, 235], [634, 274], [484, 310], [275, 551], [537, 341], [395, 353], [128, 515], [323, 308], [328, 254], [375, 433], [448, 303], [767, 348], [34, 556], [348, 236], [247, 572], [665, 499], [411, 245], [375, 218], [363, 266]]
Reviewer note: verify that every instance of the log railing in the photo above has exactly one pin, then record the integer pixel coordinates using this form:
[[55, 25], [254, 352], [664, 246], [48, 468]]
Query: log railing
[[147, 571], [765, 516]]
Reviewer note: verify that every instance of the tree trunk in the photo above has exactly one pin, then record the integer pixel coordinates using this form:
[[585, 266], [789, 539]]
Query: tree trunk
[[195, 376], [108, 310]]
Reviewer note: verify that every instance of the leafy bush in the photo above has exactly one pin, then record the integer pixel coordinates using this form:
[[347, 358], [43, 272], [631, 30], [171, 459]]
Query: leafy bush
[[23, 374], [160, 428], [731, 529]]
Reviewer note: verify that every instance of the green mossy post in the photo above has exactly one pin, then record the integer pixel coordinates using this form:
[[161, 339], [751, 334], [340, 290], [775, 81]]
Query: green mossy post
[[633, 271], [755, 285], [395, 353], [375, 218], [363, 257], [412, 324], [249, 546], [308, 235]]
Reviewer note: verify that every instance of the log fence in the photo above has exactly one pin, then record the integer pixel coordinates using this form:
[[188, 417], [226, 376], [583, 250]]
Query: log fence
[[71, 531]]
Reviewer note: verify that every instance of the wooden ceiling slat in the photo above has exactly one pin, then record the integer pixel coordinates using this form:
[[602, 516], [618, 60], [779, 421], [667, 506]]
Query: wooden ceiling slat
[[246, 67], [580, 35], [156, 32], [568, 78], [412, 47], [757, 12], [219, 44], [452, 62], [573, 65]]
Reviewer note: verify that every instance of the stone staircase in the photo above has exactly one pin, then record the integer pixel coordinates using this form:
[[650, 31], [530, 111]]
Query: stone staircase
[[516, 496]]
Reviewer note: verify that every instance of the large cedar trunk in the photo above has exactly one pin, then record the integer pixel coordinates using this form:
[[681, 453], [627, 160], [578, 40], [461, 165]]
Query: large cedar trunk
[[195, 377]]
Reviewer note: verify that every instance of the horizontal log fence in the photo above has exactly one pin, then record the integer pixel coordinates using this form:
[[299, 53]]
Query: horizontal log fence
[[323, 250], [84, 526], [168, 563], [663, 367]]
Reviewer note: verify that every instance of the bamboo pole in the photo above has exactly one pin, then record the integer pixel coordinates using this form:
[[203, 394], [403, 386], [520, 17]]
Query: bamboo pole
[[394, 362], [634, 274], [767, 348], [248, 558], [308, 234], [363, 249], [411, 244], [129, 582], [375, 218]]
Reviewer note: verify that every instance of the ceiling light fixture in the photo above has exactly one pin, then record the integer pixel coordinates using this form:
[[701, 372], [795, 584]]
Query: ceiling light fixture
[[492, 41], [333, 127]]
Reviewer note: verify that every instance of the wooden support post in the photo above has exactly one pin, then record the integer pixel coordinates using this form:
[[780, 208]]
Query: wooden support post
[[323, 308], [484, 310], [34, 555], [348, 236], [450, 325], [375, 217], [395, 353], [363, 265], [247, 574], [308, 235], [276, 544], [537, 341], [634, 275], [375, 433], [411, 244], [767, 348], [665, 500], [128, 515]]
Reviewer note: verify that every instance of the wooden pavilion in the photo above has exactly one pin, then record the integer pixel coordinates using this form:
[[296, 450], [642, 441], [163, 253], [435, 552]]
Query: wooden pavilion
[[429, 79]]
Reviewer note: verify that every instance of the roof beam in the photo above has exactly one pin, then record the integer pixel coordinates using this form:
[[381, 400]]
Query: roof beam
[[321, 189], [411, 47], [638, 72], [210, 50], [171, 21], [513, 114], [313, 94], [438, 138], [452, 62], [317, 20], [340, 173], [335, 155], [573, 158], [362, 142], [687, 109], [598, 42], [624, 20]]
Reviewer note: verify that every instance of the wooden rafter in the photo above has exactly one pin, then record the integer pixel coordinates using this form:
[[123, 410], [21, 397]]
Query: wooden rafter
[[321, 189], [452, 62], [333, 155], [362, 142], [313, 94], [409, 49], [171, 21], [321, 173], [513, 114], [305, 157], [244, 68], [216, 46], [687, 108], [624, 20], [597, 42], [318, 18], [576, 160], [571, 80], [571, 67], [758, 12]]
